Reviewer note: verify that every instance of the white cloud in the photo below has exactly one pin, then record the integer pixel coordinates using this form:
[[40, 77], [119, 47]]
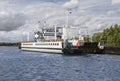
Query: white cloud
[[4, 3], [114, 13], [11, 36], [72, 4], [115, 1]]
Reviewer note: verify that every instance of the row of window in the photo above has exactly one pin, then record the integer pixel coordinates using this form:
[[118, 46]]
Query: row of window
[[27, 44], [48, 44], [44, 44]]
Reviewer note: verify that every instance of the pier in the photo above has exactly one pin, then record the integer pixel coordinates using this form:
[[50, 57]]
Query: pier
[[88, 47], [91, 48]]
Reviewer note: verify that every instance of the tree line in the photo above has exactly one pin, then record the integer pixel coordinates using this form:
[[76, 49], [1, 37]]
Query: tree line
[[9, 44], [109, 37]]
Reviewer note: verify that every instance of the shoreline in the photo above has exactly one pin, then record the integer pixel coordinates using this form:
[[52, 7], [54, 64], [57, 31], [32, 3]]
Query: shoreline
[[112, 50], [9, 44]]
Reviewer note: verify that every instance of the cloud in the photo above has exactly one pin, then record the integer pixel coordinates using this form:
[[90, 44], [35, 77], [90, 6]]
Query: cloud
[[8, 36], [4, 3], [10, 16], [114, 13], [13, 36], [72, 4], [115, 1], [11, 21], [16, 20]]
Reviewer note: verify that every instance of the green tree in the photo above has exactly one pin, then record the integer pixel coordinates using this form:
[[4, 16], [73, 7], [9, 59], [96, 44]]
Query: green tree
[[110, 36]]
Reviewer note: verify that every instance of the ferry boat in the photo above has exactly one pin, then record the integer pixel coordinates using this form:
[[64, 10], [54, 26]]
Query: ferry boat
[[62, 43], [56, 40], [43, 41]]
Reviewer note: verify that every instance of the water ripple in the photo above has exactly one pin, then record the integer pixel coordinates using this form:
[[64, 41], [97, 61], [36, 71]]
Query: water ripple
[[16, 65]]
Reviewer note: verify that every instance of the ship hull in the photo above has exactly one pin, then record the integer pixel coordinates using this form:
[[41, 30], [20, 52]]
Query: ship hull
[[43, 50], [46, 47]]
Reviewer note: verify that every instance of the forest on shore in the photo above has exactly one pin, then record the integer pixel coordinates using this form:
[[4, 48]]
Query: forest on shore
[[9, 44], [109, 37]]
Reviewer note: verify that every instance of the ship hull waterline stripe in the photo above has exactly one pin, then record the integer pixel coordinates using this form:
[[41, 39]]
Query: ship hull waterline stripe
[[42, 50]]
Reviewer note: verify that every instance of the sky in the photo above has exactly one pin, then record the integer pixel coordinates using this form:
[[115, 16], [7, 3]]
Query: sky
[[18, 17]]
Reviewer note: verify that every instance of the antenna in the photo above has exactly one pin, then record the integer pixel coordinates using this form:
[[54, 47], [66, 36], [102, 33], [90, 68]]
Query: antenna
[[55, 32], [65, 29], [28, 36]]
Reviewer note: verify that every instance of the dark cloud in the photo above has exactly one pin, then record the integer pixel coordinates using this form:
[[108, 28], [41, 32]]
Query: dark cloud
[[12, 21]]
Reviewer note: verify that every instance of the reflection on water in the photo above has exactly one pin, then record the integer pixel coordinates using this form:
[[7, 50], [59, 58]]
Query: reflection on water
[[16, 65]]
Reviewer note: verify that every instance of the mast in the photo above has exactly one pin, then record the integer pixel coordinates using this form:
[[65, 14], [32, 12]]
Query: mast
[[65, 28], [28, 36], [79, 34], [55, 33], [67, 22]]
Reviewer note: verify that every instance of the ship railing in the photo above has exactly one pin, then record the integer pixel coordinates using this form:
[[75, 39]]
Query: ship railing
[[53, 40]]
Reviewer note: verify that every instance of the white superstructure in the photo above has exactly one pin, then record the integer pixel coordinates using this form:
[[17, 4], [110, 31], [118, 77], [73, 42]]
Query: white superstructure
[[55, 45], [51, 39]]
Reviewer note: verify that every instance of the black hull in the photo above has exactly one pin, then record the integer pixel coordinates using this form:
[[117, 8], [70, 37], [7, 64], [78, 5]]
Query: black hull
[[87, 48]]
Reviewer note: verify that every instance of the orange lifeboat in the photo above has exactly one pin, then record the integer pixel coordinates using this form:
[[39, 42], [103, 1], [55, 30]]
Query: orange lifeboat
[[78, 43]]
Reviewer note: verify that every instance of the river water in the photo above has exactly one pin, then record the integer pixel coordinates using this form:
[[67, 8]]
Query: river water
[[17, 65]]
